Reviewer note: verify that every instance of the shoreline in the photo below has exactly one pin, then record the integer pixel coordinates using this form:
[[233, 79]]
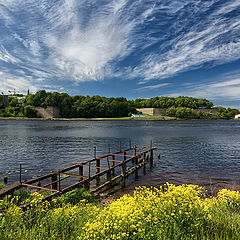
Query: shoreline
[[151, 118]]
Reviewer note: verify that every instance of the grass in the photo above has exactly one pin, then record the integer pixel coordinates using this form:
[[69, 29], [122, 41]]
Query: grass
[[171, 212], [147, 117]]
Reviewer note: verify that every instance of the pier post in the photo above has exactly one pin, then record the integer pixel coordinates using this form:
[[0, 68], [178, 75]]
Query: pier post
[[123, 175], [20, 173], [97, 171], [151, 158], [124, 170], [136, 166], [151, 155], [54, 181], [113, 164], [80, 172], [144, 163], [86, 184], [59, 182]]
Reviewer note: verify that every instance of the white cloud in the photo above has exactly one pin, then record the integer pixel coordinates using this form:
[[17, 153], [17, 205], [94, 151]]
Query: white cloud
[[86, 40], [209, 40], [225, 88], [152, 87], [19, 84]]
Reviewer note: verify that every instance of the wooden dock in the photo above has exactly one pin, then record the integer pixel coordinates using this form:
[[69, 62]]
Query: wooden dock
[[96, 175]]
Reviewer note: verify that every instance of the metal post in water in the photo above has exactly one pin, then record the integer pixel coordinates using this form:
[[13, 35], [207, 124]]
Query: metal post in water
[[109, 148], [120, 146], [130, 143]]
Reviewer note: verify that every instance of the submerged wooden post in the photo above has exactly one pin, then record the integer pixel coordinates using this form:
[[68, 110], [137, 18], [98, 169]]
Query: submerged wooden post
[[136, 166], [124, 170], [151, 155], [80, 172], [97, 171], [20, 173], [54, 181], [113, 164], [109, 176], [144, 163], [59, 182], [86, 184], [123, 174]]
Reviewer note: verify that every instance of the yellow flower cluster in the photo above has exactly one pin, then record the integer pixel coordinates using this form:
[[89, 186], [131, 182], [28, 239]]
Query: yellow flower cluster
[[168, 212], [146, 213]]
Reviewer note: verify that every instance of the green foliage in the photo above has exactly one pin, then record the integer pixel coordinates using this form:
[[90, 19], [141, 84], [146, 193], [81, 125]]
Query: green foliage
[[2, 185], [22, 195], [75, 196], [30, 112], [102, 107], [13, 101], [166, 102], [227, 113]]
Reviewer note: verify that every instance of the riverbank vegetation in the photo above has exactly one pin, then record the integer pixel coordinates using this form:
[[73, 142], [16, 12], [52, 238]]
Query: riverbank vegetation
[[102, 107], [170, 212]]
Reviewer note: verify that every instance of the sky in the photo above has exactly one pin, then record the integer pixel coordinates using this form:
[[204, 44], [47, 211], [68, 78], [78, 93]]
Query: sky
[[129, 48]]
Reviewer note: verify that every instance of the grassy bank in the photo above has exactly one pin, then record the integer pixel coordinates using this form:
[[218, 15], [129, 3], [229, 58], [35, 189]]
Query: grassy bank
[[172, 212], [148, 117]]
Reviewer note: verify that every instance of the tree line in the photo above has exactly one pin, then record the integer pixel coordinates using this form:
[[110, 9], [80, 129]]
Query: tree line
[[98, 106]]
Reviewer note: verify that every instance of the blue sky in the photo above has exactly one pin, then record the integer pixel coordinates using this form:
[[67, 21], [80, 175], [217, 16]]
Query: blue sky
[[130, 48]]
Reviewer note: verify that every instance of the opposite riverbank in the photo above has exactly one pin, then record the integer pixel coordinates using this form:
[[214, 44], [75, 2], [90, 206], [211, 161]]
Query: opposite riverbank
[[92, 119]]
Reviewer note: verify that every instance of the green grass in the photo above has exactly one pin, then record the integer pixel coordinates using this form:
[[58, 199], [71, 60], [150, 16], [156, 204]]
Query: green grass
[[148, 117]]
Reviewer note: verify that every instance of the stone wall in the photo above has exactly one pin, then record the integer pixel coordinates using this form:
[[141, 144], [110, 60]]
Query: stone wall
[[162, 111], [4, 100], [49, 112], [153, 111]]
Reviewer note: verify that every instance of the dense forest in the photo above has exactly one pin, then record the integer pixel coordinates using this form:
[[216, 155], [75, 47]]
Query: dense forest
[[97, 106]]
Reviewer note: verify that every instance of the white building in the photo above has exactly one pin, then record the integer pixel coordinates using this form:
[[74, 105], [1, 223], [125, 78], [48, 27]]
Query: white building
[[237, 116], [138, 115]]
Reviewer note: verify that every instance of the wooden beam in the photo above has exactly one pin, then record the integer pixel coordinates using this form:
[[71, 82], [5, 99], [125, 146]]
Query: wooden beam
[[34, 186]]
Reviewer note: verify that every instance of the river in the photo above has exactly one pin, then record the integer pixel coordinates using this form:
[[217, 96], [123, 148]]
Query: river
[[199, 152]]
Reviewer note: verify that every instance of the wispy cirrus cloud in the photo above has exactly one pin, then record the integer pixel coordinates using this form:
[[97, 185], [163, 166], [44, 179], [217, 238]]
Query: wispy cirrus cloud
[[152, 87], [92, 40], [213, 38], [225, 87]]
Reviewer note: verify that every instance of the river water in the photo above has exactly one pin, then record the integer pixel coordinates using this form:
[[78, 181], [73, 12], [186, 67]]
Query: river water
[[199, 152]]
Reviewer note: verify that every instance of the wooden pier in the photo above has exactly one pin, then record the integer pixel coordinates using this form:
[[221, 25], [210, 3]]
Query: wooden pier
[[96, 175]]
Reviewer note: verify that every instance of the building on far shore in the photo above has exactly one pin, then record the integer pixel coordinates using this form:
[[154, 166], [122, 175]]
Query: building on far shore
[[4, 100], [237, 116], [48, 112], [138, 115]]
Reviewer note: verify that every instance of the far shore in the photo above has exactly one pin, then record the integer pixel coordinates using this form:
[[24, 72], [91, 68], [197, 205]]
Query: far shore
[[150, 118]]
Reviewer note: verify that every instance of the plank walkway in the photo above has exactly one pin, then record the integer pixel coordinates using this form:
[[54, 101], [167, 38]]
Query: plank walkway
[[96, 175]]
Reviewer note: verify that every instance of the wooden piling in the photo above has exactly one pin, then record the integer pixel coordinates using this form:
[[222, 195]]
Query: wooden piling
[[127, 161], [54, 181], [97, 171]]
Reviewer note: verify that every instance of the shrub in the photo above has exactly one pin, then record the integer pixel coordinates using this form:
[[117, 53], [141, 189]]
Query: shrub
[[75, 196]]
